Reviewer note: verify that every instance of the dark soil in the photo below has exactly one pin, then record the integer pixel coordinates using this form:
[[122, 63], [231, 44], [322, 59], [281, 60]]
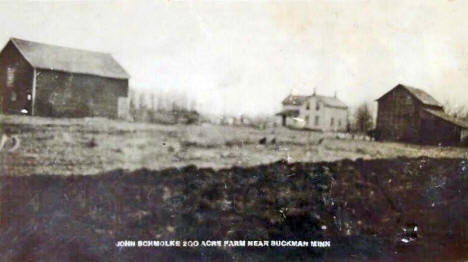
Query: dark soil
[[379, 210]]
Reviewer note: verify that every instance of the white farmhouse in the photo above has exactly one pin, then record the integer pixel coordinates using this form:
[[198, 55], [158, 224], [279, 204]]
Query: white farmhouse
[[315, 112]]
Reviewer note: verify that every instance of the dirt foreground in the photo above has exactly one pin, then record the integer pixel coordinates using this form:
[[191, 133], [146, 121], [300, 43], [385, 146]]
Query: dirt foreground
[[404, 209]]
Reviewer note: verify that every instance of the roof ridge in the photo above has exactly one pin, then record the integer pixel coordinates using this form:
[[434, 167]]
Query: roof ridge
[[420, 94], [60, 46], [69, 59]]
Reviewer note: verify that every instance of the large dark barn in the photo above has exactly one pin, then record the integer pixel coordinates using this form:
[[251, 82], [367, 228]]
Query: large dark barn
[[411, 115], [45, 80]]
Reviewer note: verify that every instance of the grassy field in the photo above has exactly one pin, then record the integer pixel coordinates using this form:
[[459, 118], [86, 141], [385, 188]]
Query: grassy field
[[90, 146]]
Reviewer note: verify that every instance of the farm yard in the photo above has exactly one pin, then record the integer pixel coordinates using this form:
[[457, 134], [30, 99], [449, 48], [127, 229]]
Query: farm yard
[[372, 201], [93, 145], [239, 132]]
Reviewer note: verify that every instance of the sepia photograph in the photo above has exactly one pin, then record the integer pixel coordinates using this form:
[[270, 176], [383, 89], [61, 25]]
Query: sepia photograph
[[165, 130]]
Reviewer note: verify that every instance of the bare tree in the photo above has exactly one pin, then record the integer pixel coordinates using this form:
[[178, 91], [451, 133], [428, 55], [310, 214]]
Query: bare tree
[[133, 104], [460, 111], [153, 101], [142, 101], [364, 120]]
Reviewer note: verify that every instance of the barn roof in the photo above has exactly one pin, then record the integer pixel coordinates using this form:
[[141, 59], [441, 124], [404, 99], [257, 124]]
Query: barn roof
[[69, 60], [444, 116], [419, 94], [326, 100]]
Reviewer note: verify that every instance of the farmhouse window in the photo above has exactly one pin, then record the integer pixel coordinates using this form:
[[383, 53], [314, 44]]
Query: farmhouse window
[[332, 122], [10, 76], [339, 123], [307, 120], [317, 120], [317, 106], [308, 106]]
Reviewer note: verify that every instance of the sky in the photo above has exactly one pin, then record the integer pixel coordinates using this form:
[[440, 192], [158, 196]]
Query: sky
[[244, 57]]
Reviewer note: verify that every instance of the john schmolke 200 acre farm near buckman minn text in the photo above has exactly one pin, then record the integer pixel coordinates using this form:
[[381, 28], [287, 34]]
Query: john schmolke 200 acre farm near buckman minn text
[[321, 130]]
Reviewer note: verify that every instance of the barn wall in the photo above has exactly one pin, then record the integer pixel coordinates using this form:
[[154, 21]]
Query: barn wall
[[77, 95], [14, 98], [398, 117]]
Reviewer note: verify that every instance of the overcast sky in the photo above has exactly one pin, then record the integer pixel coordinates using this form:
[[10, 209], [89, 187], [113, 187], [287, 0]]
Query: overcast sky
[[245, 57]]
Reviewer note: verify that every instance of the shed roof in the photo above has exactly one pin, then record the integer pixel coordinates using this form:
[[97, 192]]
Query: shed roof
[[70, 60], [444, 116], [419, 94], [326, 100]]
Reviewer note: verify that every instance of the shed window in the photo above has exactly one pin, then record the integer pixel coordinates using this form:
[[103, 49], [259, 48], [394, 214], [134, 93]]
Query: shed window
[[317, 120], [10, 76]]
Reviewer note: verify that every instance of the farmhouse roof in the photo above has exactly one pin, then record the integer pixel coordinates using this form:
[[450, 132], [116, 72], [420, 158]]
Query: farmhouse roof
[[326, 100], [444, 116], [295, 100], [419, 94], [332, 101], [70, 60]]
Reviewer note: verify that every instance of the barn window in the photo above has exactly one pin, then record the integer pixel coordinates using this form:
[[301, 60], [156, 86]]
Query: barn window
[[10, 76], [13, 96], [332, 121], [317, 120]]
